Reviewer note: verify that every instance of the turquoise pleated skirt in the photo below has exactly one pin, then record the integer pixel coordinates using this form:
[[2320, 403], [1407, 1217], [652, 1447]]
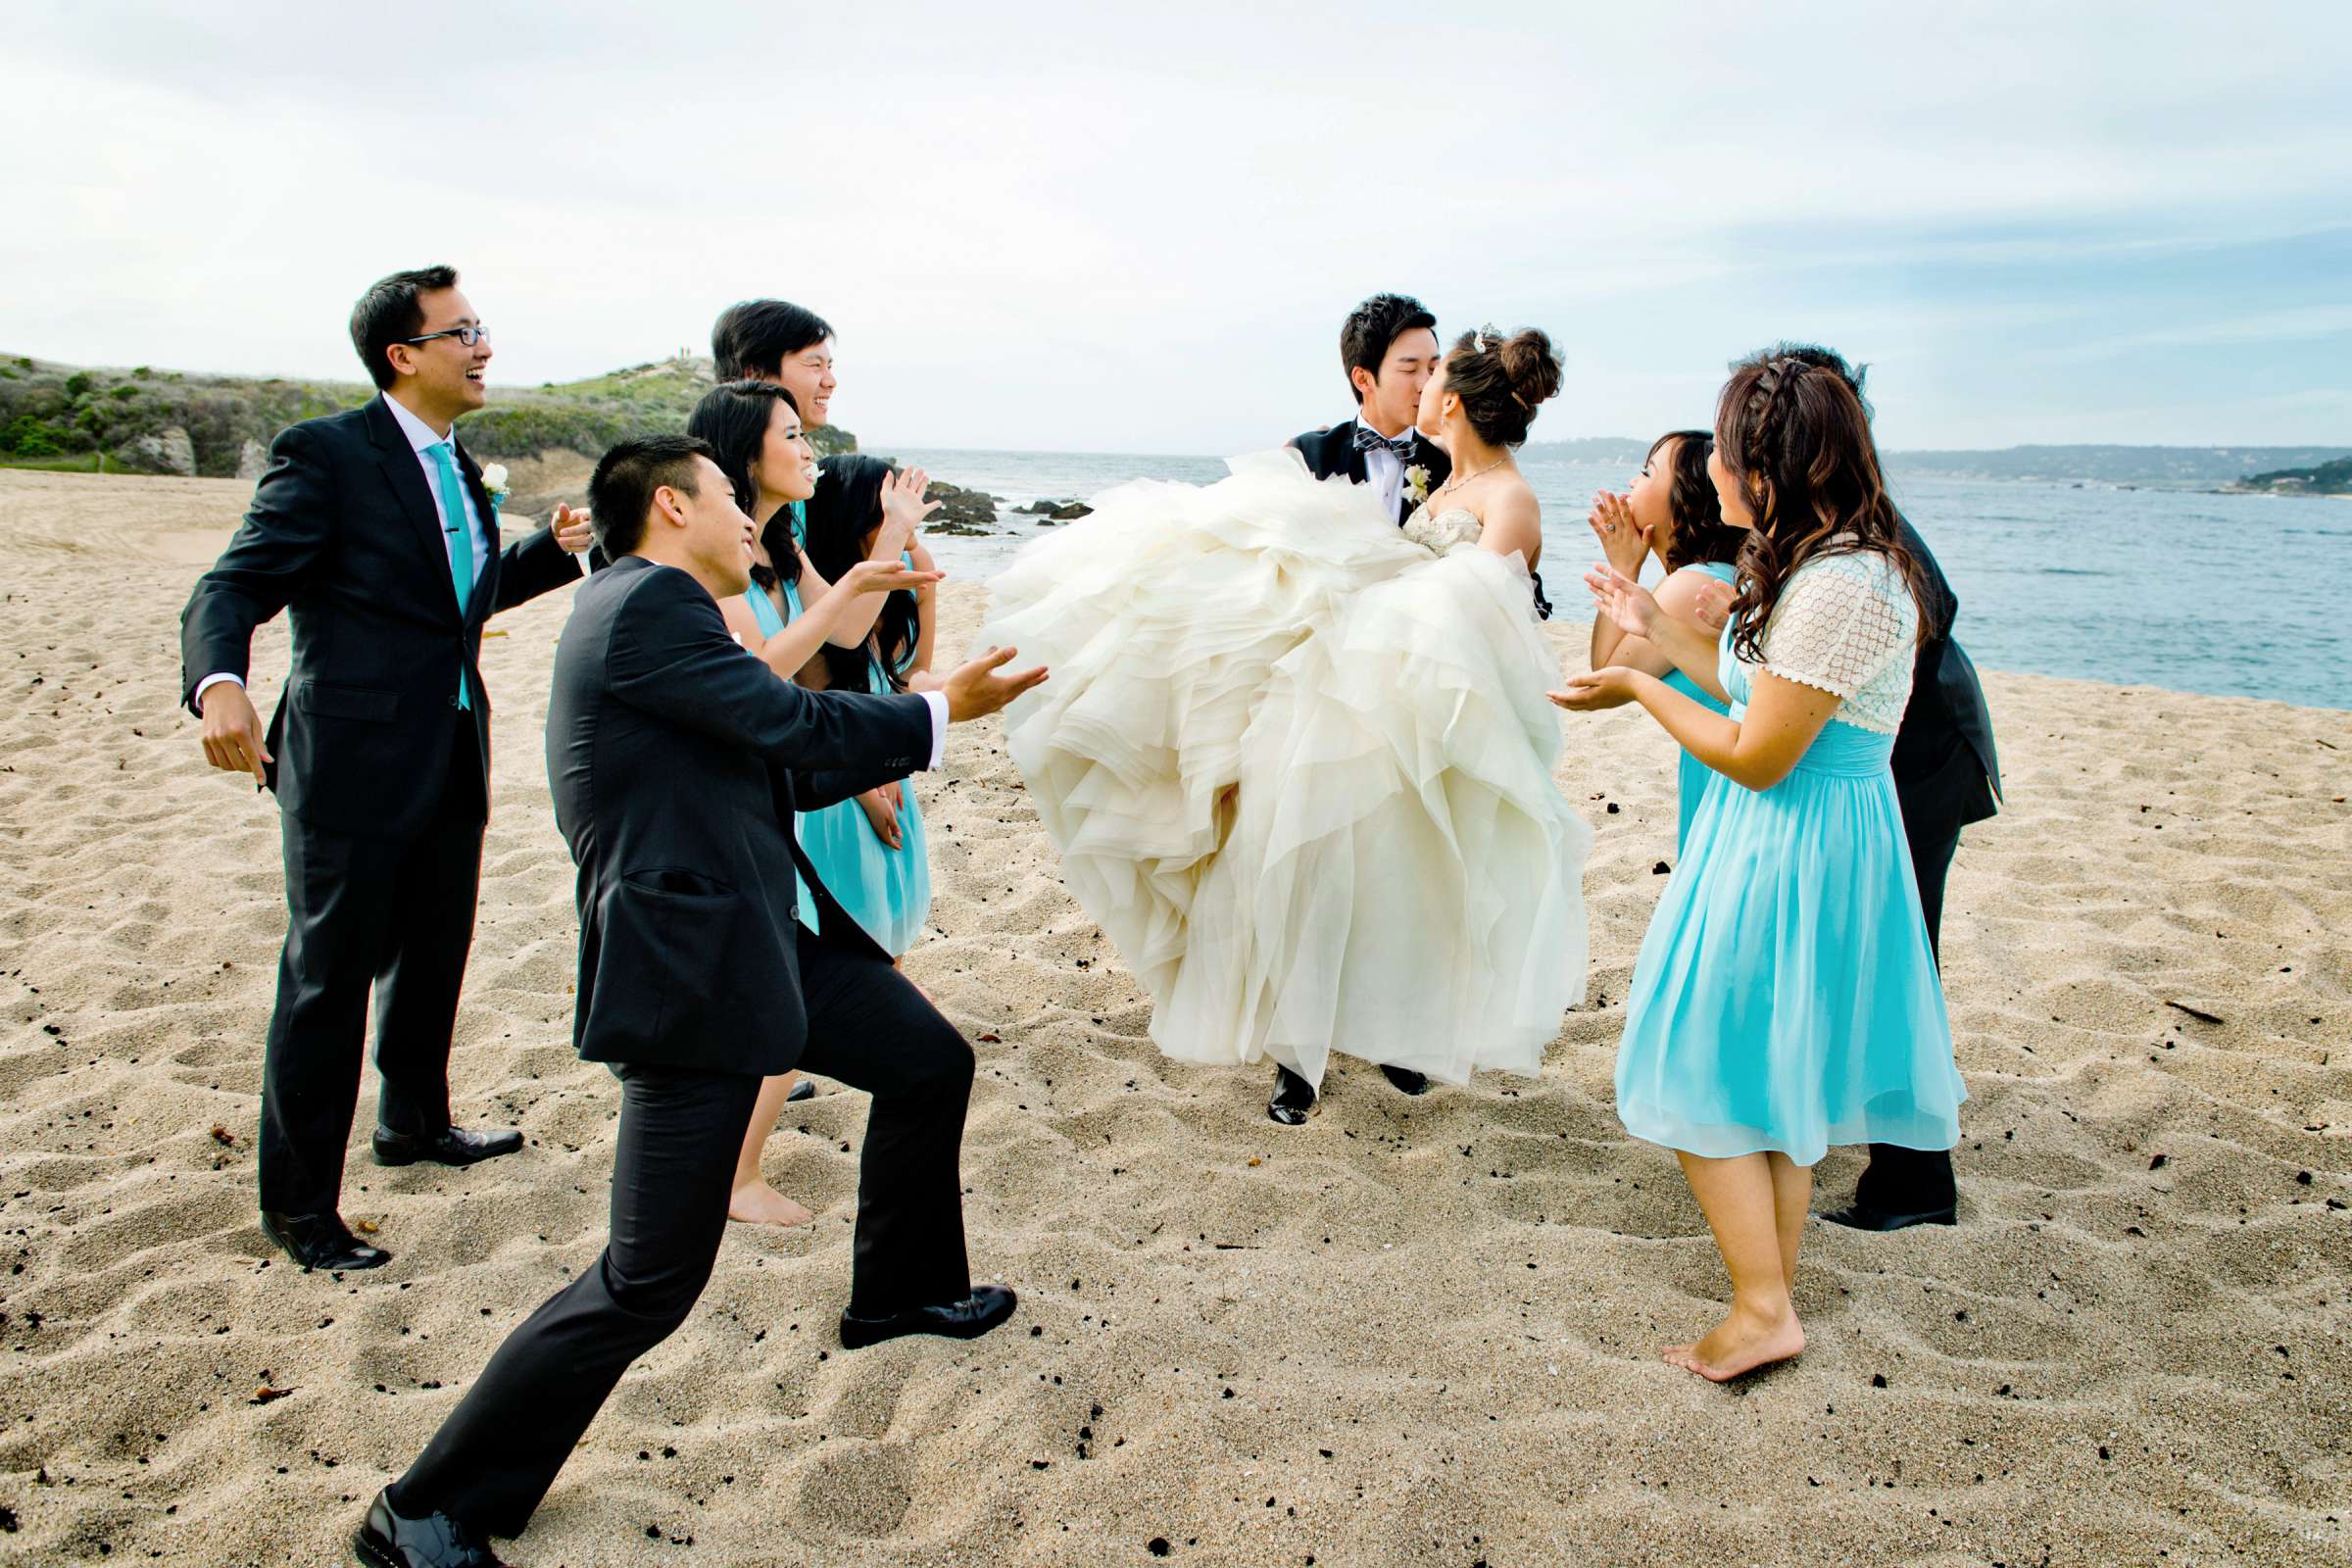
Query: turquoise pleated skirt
[[1785, 998]]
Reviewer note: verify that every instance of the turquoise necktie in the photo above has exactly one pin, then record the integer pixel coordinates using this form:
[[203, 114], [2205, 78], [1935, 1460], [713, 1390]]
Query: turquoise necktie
[[460, 540]]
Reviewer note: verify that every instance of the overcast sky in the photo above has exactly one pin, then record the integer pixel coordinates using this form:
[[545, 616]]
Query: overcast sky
[[1137, 229]]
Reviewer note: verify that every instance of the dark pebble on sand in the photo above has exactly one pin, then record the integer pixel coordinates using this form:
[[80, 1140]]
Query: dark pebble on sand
[[1877, 1380], [1158, 1546], [2158, 1162], [1661, 869]]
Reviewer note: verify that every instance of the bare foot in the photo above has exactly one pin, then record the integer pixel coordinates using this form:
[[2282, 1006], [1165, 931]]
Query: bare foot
[[757, 1203], [1741, 1342]]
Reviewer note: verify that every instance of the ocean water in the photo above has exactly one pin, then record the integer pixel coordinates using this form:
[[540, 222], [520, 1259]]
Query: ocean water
[[2236, 596]]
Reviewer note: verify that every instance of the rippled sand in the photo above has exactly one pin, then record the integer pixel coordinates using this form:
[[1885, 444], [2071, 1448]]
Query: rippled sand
[[1414, 1332]]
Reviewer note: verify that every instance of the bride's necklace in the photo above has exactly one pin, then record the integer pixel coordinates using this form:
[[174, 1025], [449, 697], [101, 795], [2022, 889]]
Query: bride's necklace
[[1455, 481]]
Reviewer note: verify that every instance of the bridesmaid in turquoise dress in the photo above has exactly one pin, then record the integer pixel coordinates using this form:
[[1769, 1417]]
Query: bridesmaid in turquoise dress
[[872, 852], [1671, 512], [1785, 998], [789, 615]]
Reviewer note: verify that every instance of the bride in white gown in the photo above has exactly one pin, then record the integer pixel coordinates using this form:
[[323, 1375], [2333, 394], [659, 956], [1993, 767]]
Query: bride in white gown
[[1298, 761]]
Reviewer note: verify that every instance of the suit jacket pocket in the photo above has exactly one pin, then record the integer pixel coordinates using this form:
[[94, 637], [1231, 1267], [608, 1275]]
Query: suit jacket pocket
[[661, 967], [347, 702]]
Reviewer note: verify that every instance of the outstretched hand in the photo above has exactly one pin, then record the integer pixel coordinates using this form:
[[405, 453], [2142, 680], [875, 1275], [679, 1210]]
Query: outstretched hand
[[571, 530], [903, 508], [975, 689], [1622, 600], [1596, 690], [1624, 542], [885, 576]]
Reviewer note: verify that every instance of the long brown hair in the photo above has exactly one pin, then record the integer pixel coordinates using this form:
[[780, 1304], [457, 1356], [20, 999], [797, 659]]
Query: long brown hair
[[1699, 533], [1796, 441]]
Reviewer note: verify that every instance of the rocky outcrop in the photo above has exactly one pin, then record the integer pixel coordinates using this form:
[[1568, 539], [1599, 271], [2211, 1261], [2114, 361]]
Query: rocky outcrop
[[1056, 510], [165, 451], [252, 459], [961, 511]]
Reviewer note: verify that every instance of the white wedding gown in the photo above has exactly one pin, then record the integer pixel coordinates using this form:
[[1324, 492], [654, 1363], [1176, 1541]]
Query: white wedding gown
[[1298, 763]]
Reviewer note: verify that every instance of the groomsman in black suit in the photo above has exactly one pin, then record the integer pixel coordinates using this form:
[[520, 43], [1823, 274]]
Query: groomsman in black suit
[[373, 529], [677, 761], [1947, 775]]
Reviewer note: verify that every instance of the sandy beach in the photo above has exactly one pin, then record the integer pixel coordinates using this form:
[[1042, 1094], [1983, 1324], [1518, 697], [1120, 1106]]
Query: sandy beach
[[1413, 1332]]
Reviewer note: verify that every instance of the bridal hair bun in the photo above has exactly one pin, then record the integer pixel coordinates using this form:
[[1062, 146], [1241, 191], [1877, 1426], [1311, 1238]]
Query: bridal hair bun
[[1502, 380]]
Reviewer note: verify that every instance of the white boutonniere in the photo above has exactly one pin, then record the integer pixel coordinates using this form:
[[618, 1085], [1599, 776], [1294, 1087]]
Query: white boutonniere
[[494, 482], [1416, 484]]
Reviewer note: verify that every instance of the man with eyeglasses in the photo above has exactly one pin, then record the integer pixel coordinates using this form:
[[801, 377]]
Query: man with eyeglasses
[[373, 529]]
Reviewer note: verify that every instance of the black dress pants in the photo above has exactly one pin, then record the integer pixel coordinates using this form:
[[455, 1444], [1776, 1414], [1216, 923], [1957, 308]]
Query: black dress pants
[[364, 911], [499, 1451], [1918, 1181]]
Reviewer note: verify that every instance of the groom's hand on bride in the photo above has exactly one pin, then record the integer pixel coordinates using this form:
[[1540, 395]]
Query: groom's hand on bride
[[978, 688], [232, 732], [1596, 690]]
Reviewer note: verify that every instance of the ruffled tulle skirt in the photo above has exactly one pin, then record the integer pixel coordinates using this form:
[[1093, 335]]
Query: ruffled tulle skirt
[[1299, 770]]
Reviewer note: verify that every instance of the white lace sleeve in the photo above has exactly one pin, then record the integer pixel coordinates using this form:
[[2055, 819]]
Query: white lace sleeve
[[1847, 624]]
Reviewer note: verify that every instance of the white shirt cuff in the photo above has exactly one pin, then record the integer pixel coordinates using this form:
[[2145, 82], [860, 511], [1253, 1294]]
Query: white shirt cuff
[[939, 726], [581, 556], [216, 679]]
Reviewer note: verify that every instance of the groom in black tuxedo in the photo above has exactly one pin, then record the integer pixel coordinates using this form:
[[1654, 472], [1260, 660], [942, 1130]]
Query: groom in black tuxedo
[[373, 528], [1389, 349], [677, 760]]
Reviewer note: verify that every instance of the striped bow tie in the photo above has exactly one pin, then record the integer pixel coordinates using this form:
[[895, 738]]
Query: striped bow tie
[[1368, 439]]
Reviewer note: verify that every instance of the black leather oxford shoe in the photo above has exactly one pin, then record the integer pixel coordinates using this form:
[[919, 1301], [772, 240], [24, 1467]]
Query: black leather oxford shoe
[[1407, 1081], [320, 1241], [1293, 1097], [987, 1307], [452, 1145], [389, 1540], [1863, 1217]]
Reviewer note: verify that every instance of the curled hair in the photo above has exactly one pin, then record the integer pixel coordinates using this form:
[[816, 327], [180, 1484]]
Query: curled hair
[[1794, 438], [1699, 532], [842, 516], [1500, 380], [734, 418]]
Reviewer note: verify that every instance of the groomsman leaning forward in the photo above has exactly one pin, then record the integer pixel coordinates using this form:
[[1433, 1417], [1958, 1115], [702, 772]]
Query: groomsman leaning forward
[[373, 529], [677, 760]]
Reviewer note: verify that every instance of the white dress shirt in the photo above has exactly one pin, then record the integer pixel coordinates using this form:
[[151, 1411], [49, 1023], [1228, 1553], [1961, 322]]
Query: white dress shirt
[[1384, 471], [421, 438]]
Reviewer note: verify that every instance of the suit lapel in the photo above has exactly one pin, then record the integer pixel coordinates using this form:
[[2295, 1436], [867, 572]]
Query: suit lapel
[[406, 477], [1351, 458], [485, 566]]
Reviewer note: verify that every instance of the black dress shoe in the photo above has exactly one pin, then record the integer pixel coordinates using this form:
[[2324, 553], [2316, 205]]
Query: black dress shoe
[[806, 1088], [320, 1241], [1407, 1081], [452, 1145], [1863, 1217], [389, 1541], [987, 1307], [1293, 1097]]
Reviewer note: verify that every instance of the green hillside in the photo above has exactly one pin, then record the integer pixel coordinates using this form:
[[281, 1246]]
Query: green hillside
[[145, 421]]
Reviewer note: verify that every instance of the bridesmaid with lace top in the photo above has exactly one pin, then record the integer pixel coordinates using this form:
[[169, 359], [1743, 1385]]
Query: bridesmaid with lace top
[[1785, 998], [1670, 511], [791, 613]]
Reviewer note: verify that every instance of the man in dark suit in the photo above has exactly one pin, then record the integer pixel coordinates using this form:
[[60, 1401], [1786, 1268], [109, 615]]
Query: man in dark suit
[[677, 760], [1947, 775], [373, 528]]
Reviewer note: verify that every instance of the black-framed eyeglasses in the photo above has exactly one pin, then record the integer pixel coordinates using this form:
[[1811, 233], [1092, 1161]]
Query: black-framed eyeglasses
[[467, 336]]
